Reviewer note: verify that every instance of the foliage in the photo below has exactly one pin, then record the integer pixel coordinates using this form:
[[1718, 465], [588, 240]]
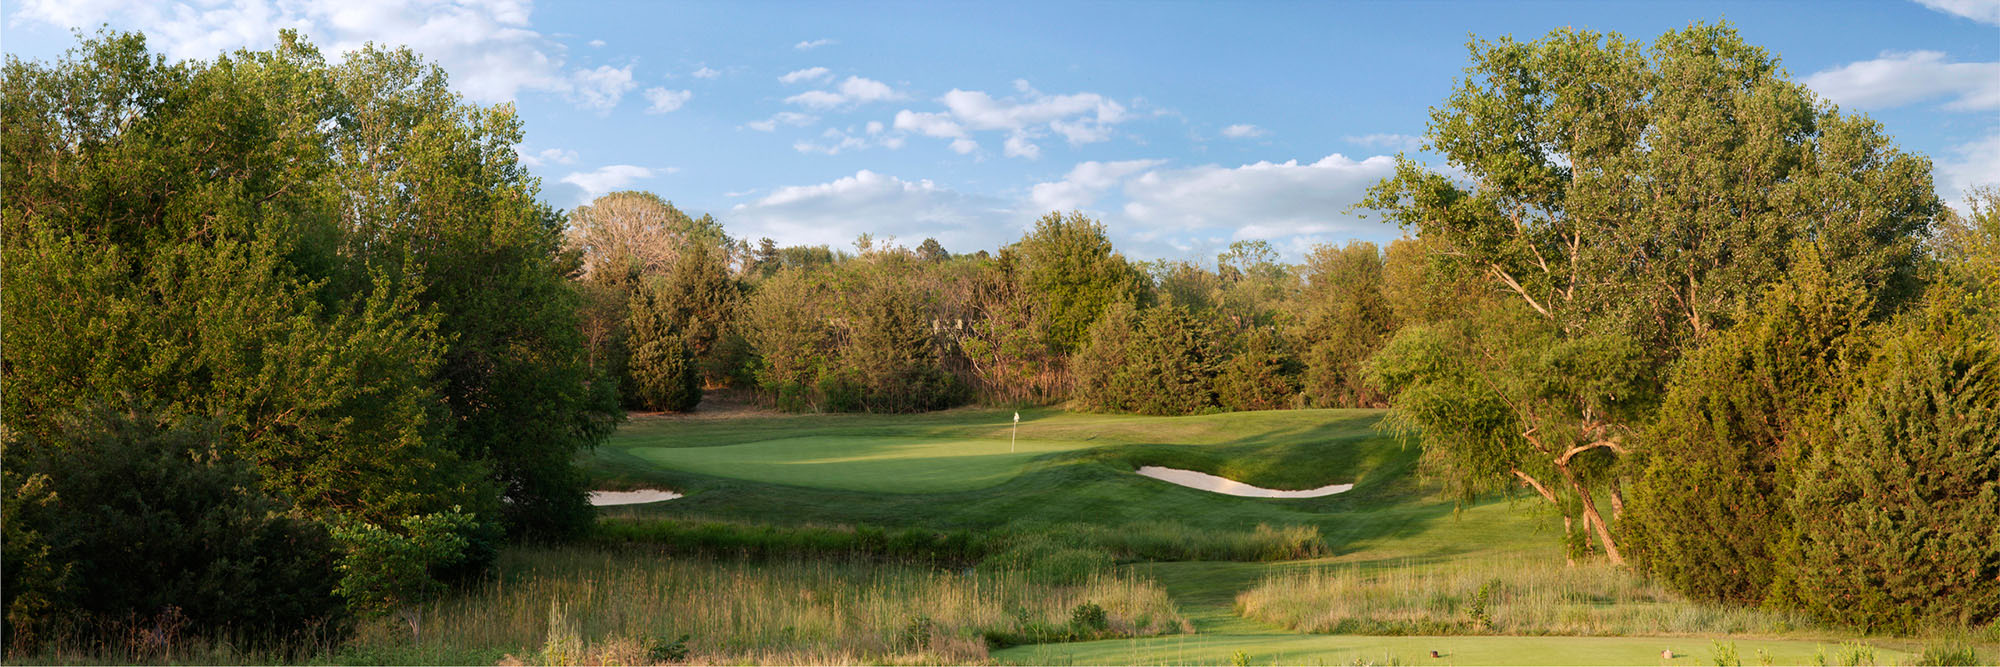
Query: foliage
[[1739, 414], [128, 518], [1157, 361], [1896, 512], [663, 374], [385, 570], [1068, 265], [1263, 374], [1597, 200], [1343, 319], [1501, 398]]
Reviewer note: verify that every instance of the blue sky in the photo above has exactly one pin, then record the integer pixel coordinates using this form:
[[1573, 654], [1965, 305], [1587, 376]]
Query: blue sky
[[1184, 126]]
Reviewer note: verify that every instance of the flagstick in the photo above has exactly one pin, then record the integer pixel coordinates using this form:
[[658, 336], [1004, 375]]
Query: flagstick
[[1016, 436]]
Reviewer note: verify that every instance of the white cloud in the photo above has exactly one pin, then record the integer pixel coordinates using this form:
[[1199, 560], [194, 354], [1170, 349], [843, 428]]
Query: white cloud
[[834, 213], [664, 101], [1983, 11], [812, 44], [1018, 146], [929, 124], [1387, 141], [792, 118], [1262, 200], [1243, 131], [707, 73], [852, 91], [1084, 183], [606, 179], [1079, 118], [549, 156], [488, 46], [600, 89], [964, 146], [807, 74], [1972, 164], [596, 43], [1899, 78]]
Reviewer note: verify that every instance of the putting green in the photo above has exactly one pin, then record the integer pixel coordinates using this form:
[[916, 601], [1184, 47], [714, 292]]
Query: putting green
[[874, 463], [1356, 649]]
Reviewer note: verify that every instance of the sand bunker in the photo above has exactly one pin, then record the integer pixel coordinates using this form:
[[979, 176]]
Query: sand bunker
[[603, 498], [1222, 485]]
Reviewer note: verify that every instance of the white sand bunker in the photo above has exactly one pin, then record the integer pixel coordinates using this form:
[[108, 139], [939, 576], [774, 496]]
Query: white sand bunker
[[1226, 486], [603, 498]]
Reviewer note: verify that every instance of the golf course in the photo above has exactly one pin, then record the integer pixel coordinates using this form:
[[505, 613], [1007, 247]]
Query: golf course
[[1246, 578]]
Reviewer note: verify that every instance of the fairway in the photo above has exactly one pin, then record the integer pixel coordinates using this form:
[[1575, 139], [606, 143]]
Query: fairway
[[1288, 649], [852, 463]]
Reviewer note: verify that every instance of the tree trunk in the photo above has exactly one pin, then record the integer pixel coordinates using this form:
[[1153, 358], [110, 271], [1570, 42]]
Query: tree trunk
[[1617, 503], [1592, 520]]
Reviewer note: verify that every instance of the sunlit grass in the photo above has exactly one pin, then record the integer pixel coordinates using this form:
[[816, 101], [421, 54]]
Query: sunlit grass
[[570, 606], [1509, 596]]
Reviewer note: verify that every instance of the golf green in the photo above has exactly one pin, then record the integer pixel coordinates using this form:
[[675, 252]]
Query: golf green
[[873, 463]]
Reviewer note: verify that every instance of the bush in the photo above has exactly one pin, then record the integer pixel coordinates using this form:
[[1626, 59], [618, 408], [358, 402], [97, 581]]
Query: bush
[[1157, 361], [1740, 412], [1262, 375], [137, 521], [1896, 516]]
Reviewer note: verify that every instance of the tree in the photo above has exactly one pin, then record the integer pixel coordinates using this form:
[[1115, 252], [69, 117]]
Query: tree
[[1067, 263], [1896, 514], [1616, 189], [1343, 318], [1157, 361], [1262, 374], [1500, 398], [664, 375], [456, 220], [931, 251], [1740, 413], [627, 234]]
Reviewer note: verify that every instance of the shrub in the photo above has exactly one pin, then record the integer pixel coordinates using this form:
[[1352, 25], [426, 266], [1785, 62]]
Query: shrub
[[1897, 514], [1262, 375], [1740, 411], [132, 520], [1157, 361]]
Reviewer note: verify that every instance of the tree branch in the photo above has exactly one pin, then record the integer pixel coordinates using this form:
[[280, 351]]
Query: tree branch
[[1579, 449]]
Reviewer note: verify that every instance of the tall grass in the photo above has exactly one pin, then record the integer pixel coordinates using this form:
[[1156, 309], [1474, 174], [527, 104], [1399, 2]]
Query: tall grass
[[571, 606], [1498, 596]]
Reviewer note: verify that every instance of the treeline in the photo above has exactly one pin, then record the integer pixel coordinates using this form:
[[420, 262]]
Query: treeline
[[1057, 316], [286, 341]]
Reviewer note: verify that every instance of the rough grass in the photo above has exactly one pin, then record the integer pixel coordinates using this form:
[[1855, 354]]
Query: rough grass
[[570, 606], [1518, 596]]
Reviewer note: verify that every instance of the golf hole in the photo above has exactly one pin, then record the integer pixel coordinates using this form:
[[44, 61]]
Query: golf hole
[[1226, 486]]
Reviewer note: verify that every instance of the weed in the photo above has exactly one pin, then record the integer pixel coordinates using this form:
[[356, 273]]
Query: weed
[[1089, 619], [1724, 655], [1946, 654], [660, 650]]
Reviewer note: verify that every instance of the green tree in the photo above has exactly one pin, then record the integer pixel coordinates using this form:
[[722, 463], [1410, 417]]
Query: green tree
[[432, 189], [1157, 361], [1343, 318], [1896, 514], [664, 375], [140, 523], [1067, 263], [1620, 189], [1740, 412], [1262, 374]]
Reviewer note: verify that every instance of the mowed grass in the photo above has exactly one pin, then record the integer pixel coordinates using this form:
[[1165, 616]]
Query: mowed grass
[[1289, 649], [883, 464]]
